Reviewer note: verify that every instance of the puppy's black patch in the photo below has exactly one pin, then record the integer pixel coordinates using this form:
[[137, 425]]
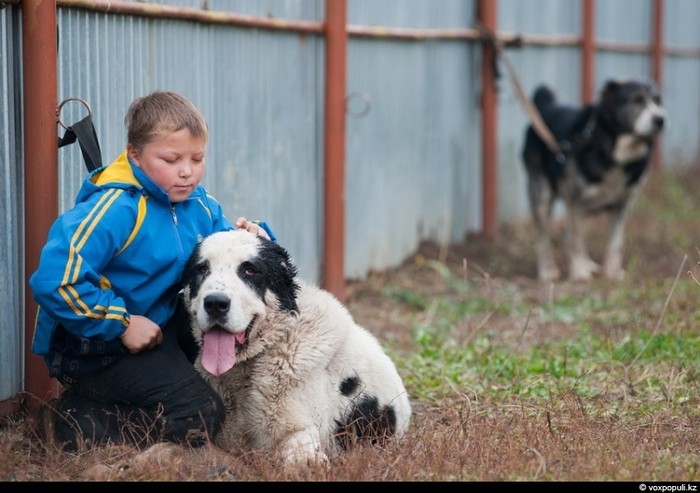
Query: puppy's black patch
[[272, 270], [196, 270], [349, 386], [367, 421]]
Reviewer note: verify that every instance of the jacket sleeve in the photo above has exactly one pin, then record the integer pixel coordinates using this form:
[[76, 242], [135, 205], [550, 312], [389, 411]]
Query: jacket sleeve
[[67, 284]]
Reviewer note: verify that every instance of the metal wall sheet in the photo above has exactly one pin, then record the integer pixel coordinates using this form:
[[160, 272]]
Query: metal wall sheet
[[413, 159], [625, 21], [445, 14], [298, 10], [681, 23], [615, 65], [681, 84], [303, 10], [541, 17], [11, 210], [681, 90]]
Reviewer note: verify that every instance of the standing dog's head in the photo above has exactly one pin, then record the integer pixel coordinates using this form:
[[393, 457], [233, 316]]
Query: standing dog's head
[[234, 283], [633, 107]]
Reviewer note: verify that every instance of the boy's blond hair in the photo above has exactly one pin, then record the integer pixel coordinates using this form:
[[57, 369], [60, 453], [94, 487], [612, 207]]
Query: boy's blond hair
[[161, 113]]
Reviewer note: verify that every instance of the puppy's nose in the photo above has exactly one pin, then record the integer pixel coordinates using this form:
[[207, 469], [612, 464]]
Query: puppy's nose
[[217, 304]]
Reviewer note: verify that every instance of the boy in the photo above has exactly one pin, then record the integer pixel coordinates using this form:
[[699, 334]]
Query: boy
[[107, 288]]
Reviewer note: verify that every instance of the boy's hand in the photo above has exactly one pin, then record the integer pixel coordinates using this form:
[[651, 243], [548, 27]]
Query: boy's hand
[[251, 227], [141, 334]]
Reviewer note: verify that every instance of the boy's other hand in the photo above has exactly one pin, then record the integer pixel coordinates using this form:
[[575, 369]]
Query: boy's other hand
[[251, 227], [141, 334]]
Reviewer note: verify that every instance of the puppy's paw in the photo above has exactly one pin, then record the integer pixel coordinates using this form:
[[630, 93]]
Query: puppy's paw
[[303, 449], [300, 457]]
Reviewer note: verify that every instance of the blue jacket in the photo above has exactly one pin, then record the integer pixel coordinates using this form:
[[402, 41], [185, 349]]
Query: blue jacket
[[120, 250]]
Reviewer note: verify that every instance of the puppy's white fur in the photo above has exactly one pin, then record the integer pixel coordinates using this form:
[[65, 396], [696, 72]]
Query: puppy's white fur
[[284, 391]]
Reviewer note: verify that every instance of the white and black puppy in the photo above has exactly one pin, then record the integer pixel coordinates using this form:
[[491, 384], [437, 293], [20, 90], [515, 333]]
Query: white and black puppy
[[296, 373], [606, 150]]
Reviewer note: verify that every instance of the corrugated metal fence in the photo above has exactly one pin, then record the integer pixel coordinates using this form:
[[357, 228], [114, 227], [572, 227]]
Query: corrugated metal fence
[[413, 143]]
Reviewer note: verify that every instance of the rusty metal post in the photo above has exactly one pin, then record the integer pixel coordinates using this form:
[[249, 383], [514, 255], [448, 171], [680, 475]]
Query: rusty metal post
[[657, 42], [334, 146], [487, 15], [588, 52], [40, 167], [657, 66]]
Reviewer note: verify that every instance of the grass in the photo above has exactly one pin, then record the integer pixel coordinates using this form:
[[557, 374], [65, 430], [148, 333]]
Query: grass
[[510, 379]]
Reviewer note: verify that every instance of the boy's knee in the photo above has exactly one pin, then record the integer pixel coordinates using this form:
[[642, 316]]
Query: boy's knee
[[197, 421]]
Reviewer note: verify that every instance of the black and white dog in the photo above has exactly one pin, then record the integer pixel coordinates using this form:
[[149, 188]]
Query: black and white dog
[[297, 375], [606, 150]]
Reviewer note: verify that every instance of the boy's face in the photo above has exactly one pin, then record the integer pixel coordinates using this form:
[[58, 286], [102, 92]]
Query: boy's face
[[174, 161]]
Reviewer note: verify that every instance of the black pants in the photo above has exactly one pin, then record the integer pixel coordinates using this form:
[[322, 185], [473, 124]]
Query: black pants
[[155, 395]]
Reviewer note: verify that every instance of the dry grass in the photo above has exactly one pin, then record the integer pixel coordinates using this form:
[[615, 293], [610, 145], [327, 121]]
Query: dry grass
[[470, 329], [490, 442]]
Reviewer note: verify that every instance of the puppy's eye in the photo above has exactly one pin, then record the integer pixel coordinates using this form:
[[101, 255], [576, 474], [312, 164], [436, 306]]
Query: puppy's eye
[[639, 99], [249, 270], [203, 268]]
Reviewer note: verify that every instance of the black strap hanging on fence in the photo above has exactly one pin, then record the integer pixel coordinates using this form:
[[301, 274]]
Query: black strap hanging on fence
[[84, 132]]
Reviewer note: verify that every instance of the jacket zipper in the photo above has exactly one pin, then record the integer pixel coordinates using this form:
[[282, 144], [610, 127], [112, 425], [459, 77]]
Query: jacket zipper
[[176, 232]]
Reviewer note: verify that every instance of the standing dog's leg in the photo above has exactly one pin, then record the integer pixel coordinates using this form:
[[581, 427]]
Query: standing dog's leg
[[612, 268], [541, 202], [581, 267]]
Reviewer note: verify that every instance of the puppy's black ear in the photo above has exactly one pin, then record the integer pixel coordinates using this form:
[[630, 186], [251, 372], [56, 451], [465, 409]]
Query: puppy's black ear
[[285, 260], [190, 266], [179, 326], [283, 275]]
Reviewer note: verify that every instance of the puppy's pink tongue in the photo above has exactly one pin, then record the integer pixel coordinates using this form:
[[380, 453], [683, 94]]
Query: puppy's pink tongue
[[218, 351]]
